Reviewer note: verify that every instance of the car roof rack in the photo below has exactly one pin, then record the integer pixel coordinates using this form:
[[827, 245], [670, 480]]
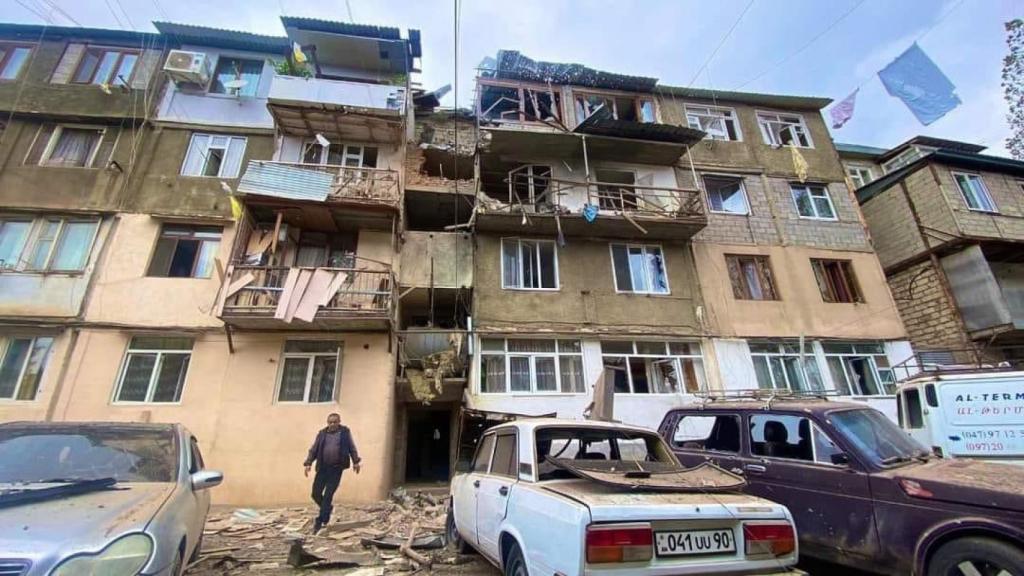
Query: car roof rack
[[768, 397]]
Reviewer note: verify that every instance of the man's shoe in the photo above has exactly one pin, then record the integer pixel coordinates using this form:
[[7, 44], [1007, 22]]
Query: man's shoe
[[317, 525]]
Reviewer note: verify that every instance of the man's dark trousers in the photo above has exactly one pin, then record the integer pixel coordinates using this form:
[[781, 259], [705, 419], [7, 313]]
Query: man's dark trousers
[[325, 483]]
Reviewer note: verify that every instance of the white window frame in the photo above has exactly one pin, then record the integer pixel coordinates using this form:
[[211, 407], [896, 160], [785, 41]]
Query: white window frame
[[556, 355], [644, 249], [984, 190], [856, 172], [36, 224], [157, 366], [58, 130], [743, 191], [347, 151], [5, 344], [519, 247], [869, 356], [783, 354], [767, 117], [908, 156], [675, 358], [809, 188], [205, 154], [311, 362], [724, 113]]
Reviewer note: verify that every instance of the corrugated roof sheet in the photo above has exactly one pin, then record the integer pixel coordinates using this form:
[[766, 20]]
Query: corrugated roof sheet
[[953, 145], [778, 100], [601, 123], [221, 38], [512, 65], [950, 157], [34, 30], [860, 149], [263, 178], [333, 27]]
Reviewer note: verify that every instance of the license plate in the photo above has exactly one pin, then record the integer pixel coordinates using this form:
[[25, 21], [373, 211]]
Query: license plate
[[686, 542]]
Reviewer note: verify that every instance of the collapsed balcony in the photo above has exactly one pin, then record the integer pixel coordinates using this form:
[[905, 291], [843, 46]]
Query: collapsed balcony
[[329, 183], [432, 365], [337, 109]]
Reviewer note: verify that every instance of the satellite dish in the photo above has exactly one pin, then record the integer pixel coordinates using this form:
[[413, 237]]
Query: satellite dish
[[236, 84], [322, 141]]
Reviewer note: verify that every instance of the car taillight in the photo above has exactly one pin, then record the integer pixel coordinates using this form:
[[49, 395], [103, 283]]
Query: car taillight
[[619, 543], [776, 539]]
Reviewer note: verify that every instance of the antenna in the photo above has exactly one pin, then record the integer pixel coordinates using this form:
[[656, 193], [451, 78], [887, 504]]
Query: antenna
[[236, 85]]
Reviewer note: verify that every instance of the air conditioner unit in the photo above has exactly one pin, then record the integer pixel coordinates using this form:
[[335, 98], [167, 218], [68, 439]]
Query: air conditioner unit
[[188, 67]]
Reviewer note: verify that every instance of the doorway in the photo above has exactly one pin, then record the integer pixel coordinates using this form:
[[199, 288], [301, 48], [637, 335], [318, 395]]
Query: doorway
[[428, 448]]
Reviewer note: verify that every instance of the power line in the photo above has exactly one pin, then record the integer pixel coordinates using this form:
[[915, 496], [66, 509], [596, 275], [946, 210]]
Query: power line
[[720, 43], [349, 8], [35, 11], [805, 46], [114, 13], [53, 6]]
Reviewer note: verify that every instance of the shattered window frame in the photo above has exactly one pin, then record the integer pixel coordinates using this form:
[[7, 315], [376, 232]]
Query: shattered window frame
[[839, 358], [23, 359], [837, 281], [723, 181], [738, 267], [565, 357], [773, 123], [651, 281], [730, 130], [629, 355], [523, 89], [779, 365], [638, 99]]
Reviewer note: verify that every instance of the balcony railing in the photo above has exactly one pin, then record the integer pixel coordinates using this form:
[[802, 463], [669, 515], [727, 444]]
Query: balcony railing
[[325, 182], [350, 291], [540, 194], [320, 93]]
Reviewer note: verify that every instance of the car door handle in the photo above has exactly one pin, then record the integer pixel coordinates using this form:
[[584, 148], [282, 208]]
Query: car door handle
[[755, 468], [736, 470], [476, 484], [503, 490]]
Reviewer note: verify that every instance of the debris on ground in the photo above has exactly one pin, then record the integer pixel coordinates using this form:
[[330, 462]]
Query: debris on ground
[[404, 534]]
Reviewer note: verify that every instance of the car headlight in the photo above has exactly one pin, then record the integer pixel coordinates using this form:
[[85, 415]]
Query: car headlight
[[125, 556]]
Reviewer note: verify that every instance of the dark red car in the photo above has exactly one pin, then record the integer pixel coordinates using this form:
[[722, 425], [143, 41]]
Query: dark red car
[[862, 492]]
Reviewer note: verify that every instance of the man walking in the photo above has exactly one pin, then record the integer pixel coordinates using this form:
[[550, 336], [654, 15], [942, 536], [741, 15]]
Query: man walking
[[332, 450]]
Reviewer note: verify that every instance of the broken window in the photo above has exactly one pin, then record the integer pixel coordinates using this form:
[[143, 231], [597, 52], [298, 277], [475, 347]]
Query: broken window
[[519, 103], [185, 251], [616, 190], [22, 359], [644, 367], [639, 269], [317, 249], [154, 369], [531, 366], [530, 185], [836, 280], [859, 368], [529, 264], [309, 371], [726, 194], [813, 201], [213, 155], [717, 122], [751, 277], [623, 107], [784, 129], [105, 66], [779, 365]]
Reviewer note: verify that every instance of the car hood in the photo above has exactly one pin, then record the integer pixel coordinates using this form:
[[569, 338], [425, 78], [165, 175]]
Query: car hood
[[967, 481], [83, 522]]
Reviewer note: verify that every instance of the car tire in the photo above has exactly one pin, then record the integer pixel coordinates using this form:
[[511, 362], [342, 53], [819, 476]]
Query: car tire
[[451, 534], [515, 563], [984, 555]]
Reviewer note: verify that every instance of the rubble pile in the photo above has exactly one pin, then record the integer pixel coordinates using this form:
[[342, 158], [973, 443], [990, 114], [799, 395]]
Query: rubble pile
[[404, 534]]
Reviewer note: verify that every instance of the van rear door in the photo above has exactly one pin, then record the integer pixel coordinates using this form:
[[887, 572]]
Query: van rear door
[[983, 418]]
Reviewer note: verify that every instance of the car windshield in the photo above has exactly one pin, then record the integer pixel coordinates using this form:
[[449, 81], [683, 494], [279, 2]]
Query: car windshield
[[601, 444], [87, 453], [877, 437]]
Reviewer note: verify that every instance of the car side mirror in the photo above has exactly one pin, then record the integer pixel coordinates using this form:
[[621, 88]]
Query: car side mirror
[[840, 459], [206, 479], [461, 467]]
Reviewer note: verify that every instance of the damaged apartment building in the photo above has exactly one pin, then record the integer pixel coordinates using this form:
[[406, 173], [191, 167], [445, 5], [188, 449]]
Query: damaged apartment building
[[948, 225]]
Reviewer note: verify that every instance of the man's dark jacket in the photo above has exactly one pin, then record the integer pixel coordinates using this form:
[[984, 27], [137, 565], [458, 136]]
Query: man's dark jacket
[[347, 450]]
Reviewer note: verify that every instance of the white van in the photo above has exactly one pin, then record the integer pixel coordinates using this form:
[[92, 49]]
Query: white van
[[974, 414]]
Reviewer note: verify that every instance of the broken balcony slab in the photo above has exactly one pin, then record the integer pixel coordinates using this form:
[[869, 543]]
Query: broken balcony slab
[[510, 142]]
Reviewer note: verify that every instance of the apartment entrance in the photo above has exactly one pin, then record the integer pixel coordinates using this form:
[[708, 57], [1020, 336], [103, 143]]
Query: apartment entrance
[[428, 444]]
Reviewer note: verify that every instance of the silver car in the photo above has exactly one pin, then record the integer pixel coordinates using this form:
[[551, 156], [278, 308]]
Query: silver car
[[111, 499]]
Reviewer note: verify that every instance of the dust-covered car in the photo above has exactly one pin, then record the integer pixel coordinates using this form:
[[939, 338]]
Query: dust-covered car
[[548, 496], [100, 498]]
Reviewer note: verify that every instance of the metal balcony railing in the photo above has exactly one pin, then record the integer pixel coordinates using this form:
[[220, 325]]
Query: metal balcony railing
[[339, 183], [359, 291]]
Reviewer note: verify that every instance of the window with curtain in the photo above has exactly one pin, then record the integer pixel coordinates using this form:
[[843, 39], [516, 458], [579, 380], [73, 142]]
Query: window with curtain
[[531, 366], [646, 367], [22, 360], [185, 251], [779, 365], [106, 66], [639, 269], [72, 146], [154, 369], [12, 60], [836, 280], [214, 155], [46, 244], [309, 371], [751, 277], [231, 72], [529, 264]]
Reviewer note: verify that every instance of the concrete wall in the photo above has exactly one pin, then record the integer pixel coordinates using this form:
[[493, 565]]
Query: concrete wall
[[801, 310], [586, 299], [448, 254], [229, 402]]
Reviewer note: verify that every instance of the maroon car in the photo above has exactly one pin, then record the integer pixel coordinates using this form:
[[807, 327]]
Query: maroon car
[[862, 492]]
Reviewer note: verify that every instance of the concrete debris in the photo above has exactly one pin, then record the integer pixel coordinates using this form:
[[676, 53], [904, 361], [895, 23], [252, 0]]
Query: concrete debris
[[404, 534]]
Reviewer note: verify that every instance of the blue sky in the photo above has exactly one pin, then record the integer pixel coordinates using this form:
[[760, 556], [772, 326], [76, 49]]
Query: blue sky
[[669, 40]]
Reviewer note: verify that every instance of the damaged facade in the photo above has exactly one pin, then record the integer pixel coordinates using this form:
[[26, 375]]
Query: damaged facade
[[947, 224]]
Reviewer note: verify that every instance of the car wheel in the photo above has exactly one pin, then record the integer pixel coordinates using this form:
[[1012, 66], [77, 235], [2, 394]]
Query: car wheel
[[515, 564], [977, 557], [452, 536]]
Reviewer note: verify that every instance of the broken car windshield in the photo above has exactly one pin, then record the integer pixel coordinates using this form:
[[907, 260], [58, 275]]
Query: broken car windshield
[[81, 454], [876, 436], [601, 444]]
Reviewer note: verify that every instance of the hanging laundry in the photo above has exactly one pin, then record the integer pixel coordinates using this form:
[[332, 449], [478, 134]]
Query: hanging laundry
[[920, 84], [236, 208], [842, 112], [297, 53], [589, 212], [799, 164]]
